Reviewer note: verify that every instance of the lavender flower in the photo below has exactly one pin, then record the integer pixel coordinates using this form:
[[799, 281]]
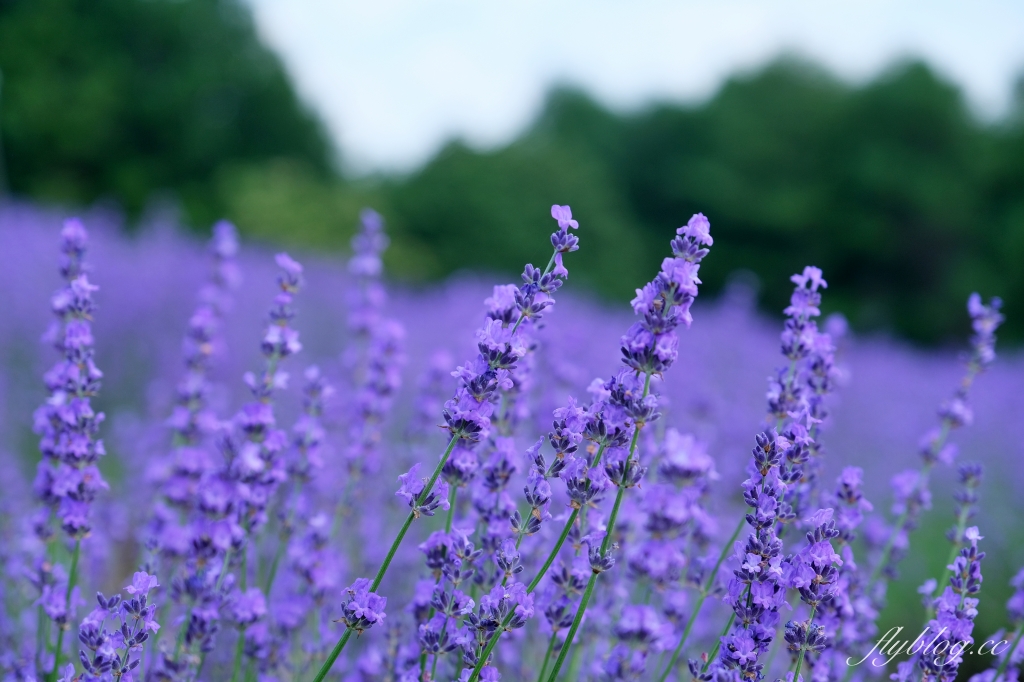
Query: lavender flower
[[192, 422], [910, 488], [648, 348], [468, 414], [1010, 658], [953, 623], [362, 608], [68, 478], [376, 371], [116, 652], [253, 524], [232, 498]]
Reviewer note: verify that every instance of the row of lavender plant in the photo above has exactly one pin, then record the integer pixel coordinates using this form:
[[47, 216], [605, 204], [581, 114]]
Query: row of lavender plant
[[613, 564]]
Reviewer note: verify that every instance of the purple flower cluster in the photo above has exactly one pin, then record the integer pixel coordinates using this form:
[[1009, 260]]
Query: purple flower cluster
[[376, 371], [68, 478], [115, 653], [600, 543], [910, 488], [953, 623], [193, 422]]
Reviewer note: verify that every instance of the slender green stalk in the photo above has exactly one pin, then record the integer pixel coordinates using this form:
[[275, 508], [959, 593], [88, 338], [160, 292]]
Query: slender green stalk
[[333, 656], [554, 551], [587, 594], [961, 526], [433, 667], [604, 549], [72, 578], [188, 616], [536, 579], [547, 655], [326, 667], [573, 672], [41, 632], [409, 519], [239, 648], [452, 497], [275, 562], [1009, 654], [530, 588], [700, 600], [284, 539], [876, 572], [718, 642], [803, 647]]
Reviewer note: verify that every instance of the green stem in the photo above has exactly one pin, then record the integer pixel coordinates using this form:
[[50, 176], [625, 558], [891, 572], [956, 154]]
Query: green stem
[[239, 648], [286, 536], [41, 623], [433, 667], [961, 526], [326, 667], [700, 600], [611, 520], [577, 619], [72, 578], [554, 551], [803, 647], [333, 656], [530, 588], [547, 655], [1009, 654], [409, 519], [718, 642], [188, 616], [452, 497], [890, 543], [274, 565]]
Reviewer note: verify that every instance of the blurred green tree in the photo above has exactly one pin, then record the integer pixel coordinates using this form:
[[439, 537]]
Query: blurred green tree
[[904, 198], [127, 98]]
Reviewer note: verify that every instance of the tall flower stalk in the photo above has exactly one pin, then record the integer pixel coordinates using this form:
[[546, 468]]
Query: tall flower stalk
[[467, 418], [911, 487], [68, 478], [232, 499], [649, 348], [796, 408]]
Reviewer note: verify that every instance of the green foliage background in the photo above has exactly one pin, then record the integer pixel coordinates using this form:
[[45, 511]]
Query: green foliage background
[[904, 198]]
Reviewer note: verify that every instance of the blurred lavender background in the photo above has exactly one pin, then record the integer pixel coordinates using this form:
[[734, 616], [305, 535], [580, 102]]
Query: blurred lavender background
[[148, 282]]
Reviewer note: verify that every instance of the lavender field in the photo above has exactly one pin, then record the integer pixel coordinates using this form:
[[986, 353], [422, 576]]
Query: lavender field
[[572, 483]]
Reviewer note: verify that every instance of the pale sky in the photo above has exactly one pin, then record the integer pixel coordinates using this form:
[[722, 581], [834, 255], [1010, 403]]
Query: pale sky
[[396, 79]]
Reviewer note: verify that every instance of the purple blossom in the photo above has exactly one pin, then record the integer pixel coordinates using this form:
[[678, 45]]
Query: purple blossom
[[68, 480], [362, 608], [247, 607]]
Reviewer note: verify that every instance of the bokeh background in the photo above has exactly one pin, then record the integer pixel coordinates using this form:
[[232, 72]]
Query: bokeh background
[[883, 143]]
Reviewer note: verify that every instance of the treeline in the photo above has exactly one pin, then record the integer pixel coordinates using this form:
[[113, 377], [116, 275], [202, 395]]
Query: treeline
[[904, 198]]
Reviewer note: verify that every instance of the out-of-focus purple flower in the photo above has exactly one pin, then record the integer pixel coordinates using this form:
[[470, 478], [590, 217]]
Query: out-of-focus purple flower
[[68, 479], [985, 320], [912, 495], [247, 607]]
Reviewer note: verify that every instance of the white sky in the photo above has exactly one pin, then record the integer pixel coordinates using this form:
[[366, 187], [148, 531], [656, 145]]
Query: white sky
[[395, 79]]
